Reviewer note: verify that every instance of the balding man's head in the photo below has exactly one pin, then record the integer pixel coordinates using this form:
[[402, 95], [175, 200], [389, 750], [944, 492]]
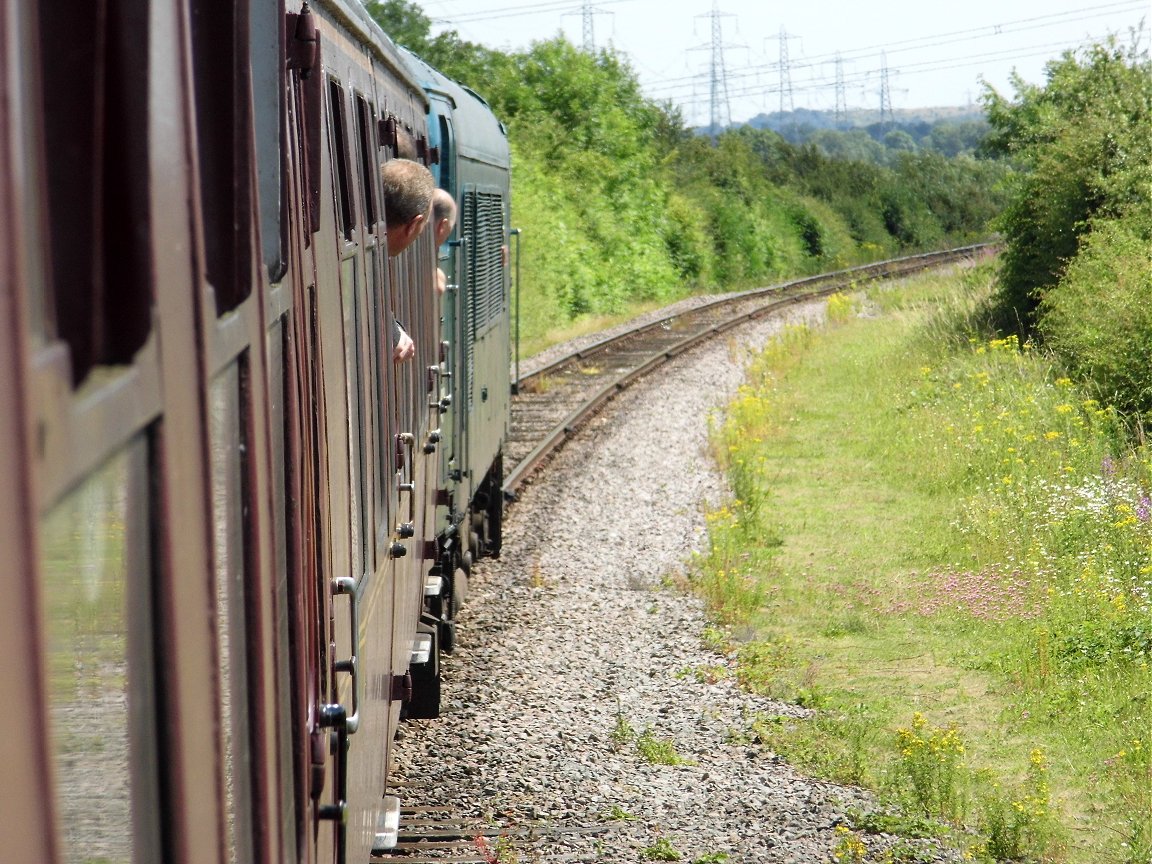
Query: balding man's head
[[408, 188], [443, 214]]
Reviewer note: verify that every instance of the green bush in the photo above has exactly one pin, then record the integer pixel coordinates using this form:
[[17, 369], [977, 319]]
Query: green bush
[[1098, 319], [1085, 142]]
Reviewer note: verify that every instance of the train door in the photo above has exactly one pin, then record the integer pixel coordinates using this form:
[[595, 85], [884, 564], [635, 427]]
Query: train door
[[343, 362], [317, 725], [451, 321], [362, 632]]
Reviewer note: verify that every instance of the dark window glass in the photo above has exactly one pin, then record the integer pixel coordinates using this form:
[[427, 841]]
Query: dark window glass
[[369, 170], [95, 96], [339, 129], [220, 73], [267, 114], [447, 154]]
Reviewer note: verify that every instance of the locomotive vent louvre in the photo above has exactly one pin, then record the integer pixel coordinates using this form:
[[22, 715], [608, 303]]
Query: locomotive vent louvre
[[482, 222], [484, 225]]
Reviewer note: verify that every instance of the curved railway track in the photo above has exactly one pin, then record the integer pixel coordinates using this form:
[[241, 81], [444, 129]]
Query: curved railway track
[[552, 403], [549, 406]]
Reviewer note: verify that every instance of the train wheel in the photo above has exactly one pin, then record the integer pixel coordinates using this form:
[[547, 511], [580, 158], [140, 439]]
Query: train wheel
[[447, 636]]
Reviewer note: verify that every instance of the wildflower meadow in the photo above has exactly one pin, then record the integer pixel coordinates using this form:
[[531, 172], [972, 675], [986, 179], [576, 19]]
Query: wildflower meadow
[[942, 545]]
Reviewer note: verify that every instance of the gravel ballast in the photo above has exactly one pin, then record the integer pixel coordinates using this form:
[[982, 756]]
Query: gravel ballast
[[577, 629]]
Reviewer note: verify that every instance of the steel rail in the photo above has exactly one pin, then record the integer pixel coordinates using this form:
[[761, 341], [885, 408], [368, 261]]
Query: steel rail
[[871, 272]]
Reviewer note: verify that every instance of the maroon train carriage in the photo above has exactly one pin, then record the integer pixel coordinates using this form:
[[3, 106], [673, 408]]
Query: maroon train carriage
[[217, 509]]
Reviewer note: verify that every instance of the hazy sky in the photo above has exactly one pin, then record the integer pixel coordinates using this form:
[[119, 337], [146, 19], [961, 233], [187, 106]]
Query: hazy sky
[[934, 53]]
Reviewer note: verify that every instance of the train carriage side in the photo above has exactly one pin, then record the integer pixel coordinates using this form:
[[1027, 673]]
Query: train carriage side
[[213, 497], [132, 325], [370, 413], [474, 167]]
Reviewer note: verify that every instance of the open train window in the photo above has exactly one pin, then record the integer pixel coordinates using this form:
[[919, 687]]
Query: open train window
[[220, 73], [339, 129], [368, 168], [95, 99], [447, 155]]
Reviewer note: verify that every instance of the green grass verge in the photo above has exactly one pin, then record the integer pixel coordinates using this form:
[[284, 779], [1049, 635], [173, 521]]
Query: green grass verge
[[940, 547]]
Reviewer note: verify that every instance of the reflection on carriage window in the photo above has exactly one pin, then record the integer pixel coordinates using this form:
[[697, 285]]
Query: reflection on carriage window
[[227, 465], [91, 542]]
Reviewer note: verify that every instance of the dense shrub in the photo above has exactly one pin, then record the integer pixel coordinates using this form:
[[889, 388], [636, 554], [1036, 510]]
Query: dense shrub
[[1084, 142], [1098, 319]]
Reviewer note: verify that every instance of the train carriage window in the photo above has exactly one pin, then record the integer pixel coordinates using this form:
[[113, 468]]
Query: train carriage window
[[220, 70], [97, 560], [354, 371], [339, 130], [228, 466], [267, 115], [368, 163], [94, 88], [447, 155]]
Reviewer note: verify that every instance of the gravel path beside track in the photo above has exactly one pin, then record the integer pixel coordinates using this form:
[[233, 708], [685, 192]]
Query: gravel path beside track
[[574, 628]]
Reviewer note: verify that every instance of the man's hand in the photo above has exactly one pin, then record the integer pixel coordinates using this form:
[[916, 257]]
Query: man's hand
[[405, 348]]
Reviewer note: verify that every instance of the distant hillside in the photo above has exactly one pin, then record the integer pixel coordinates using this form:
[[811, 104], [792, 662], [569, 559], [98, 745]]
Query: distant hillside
[[860, 134], [861, 117]]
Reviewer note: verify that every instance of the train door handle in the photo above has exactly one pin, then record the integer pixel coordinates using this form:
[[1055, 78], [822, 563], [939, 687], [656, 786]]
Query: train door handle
[[406, 456], [336, 717], [446, 357], [405, 444], [347, 585], [435, 389]]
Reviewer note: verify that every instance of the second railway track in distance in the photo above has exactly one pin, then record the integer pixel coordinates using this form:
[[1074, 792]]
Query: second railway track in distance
[[550, 404]]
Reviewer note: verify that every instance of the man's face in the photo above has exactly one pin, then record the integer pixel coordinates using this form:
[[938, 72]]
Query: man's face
[[443, 229], [400, 237]]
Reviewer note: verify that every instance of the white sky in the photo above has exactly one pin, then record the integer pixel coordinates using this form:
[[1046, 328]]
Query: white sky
[[935, 53]]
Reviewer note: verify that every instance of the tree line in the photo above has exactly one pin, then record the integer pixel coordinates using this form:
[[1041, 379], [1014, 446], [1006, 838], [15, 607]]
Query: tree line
[[621, 203]]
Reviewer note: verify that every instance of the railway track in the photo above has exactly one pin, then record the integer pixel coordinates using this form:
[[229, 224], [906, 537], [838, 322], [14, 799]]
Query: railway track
[[552, 403], [434, 835], [542, 649]]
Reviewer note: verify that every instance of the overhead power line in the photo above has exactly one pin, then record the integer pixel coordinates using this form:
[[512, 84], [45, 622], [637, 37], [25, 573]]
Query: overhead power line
[[746, 82], [549, 6], [943, 65], [932, 41]]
